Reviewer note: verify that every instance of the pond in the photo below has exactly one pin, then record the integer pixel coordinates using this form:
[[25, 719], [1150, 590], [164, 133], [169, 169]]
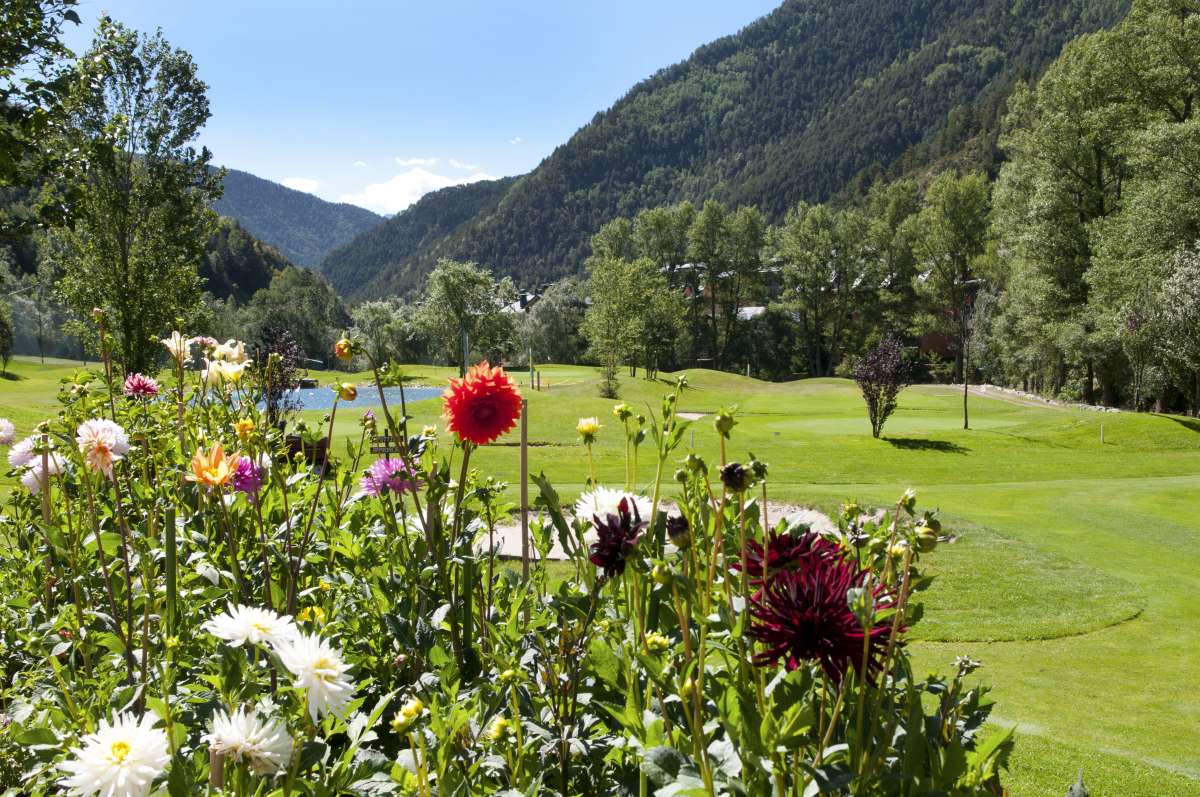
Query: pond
[[321, 398]]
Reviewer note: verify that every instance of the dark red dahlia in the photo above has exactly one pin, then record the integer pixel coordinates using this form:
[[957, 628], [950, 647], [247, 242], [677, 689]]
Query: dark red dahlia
[[786, 552], [618, 536], [804, 615]]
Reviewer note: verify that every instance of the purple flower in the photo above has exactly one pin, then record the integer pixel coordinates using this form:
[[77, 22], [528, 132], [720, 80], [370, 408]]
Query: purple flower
[[618, 536], [388, 474], [247, 478], [805, 615]]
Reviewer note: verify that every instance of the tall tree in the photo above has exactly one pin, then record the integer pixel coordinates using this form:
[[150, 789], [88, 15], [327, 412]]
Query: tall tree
[[949, 238], [33, 80], [1065, 173], [613, 324], [134, 108], [552, 327], [464, 302], [708, 249], [745, 235], [827, 275], [302, 302]]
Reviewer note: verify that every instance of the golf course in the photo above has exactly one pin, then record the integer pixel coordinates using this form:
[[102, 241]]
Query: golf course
[[1070, 579]]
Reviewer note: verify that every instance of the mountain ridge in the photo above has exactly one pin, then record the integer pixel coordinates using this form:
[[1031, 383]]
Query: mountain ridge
[[796, 106], [304, 228]]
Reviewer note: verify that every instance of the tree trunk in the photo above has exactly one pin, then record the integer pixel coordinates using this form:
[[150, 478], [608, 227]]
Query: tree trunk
[[1089, 394]]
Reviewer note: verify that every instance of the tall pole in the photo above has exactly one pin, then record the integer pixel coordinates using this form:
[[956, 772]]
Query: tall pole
[[466, 348], [966, 345]]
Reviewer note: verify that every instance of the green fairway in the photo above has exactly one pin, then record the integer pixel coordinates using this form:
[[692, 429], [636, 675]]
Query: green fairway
[[1071, 580]]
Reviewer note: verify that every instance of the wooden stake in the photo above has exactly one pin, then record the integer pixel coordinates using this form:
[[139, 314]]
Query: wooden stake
[[525, 495]]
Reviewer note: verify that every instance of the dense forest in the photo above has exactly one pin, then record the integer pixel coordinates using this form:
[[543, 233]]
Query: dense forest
[[805, 104], [304, 228], [375, 264]]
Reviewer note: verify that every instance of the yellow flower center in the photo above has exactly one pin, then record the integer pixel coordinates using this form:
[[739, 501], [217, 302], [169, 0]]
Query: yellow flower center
[[325, 669], [260, 628], [119, 751]]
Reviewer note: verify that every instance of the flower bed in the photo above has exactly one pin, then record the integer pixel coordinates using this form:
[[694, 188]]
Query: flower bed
[[189, 608]]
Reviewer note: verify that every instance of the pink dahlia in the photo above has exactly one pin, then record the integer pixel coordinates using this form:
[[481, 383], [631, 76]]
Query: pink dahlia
[[390, 474], [140, 386]]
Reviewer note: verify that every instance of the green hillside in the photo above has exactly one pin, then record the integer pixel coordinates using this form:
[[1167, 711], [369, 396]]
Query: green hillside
[[376, 263], [803, 103], [304, 228]]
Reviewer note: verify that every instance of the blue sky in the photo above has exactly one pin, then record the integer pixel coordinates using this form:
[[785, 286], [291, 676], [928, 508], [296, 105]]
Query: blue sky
[[376, 103]]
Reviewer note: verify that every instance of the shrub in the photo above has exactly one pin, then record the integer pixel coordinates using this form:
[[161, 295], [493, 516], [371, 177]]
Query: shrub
[[881, 374]]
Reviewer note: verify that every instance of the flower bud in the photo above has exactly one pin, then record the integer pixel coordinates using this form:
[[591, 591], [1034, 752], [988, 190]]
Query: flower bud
[[347, 391], [660, 574], [623, 411], [679, 531], [735, 477], [758, 468], [343, 349], [695, 464], [656, 642], [927, 538], [724, 423], [681, 476], [909, 500]]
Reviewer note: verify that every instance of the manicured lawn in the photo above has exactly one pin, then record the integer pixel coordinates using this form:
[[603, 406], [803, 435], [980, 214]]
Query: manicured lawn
[[1073, 578]]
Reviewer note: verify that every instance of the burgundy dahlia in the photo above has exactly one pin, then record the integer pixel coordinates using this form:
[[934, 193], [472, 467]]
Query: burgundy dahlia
[[140, 386], [388, 475], [786, 552], [804, 615], [618, 536]]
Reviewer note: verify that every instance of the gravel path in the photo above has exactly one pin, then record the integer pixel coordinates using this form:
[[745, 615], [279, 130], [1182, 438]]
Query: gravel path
[[508, 535]]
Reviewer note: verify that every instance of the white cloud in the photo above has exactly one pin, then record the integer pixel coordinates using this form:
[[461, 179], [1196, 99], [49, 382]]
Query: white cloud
[[305, 184], [406, 188], [359, 164], [457, 164], [406, 162], [515, 140]]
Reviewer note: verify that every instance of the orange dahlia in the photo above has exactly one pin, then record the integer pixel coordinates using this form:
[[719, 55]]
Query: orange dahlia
[[213, 469], [482, 405]]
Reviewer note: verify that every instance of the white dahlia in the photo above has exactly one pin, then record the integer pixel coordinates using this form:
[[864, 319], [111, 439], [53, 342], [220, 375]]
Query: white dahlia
[[21, 454], [242, 736], [603, 501], [318, 668], [241, 624], [121, 759], [8, 432], [32, 477], [102, 443]]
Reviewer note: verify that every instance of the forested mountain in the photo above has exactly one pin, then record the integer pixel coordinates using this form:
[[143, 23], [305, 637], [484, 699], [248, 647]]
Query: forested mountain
[[304, 228], [806, 103], [379, 261], [236, 264]]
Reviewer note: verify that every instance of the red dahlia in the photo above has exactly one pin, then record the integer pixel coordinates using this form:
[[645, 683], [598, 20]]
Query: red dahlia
[[804, 615], [786, 552], [482, 405]]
